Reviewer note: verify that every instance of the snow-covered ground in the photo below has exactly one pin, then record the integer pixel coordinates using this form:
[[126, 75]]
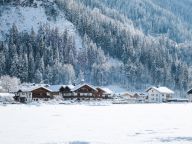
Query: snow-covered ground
[[82, 124]]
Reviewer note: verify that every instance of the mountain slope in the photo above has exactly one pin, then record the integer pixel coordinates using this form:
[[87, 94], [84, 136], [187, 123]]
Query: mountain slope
[[28, 17], [130, 43], [152, 17]]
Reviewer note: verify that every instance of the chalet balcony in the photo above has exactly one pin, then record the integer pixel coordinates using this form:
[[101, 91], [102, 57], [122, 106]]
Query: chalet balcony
[[77, 95]]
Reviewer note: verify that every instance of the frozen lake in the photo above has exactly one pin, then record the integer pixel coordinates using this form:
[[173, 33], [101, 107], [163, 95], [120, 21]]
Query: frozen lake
[[81, 124]]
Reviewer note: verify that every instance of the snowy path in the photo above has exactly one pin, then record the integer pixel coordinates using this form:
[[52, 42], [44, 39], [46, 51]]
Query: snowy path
[[78, 124]]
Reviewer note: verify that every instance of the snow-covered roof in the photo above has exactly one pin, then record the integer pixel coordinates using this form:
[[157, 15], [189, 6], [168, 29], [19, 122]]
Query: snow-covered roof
[[31, 88], [189, 91], [81, 85], [69, 86], [43, 88], [129, 93], [106, 90], [143, 94], [55, 88], [164, 90], [6, 95], [25, 89]]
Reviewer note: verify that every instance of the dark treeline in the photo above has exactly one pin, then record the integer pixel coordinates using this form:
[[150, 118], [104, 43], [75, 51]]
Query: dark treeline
[[146, 60], [52, 58], [115, 50]]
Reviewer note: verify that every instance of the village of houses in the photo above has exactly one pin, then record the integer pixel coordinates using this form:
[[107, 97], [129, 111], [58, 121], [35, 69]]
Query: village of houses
[[28, 93]]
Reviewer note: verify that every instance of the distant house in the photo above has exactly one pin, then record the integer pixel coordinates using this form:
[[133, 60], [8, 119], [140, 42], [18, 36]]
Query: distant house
[[135, 96], [55, 89], [190, 95], [66, 91], [35, 93], [104, 92], [159, 94], [82, 91], [23, 95], [41, 93], [130, 95]]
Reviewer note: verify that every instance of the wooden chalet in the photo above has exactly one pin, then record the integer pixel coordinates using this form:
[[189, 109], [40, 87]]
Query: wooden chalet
[[41, 93], [55, 90], [66, 91], [135, 96], [104, 92], [83, 91], [35, 93]]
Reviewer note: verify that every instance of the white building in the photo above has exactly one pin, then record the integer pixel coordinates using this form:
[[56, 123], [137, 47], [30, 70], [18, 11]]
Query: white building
[[24, 95], [159, 94]]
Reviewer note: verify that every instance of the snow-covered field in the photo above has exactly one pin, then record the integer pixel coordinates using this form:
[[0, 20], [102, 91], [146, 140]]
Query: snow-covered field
[[83, 124]]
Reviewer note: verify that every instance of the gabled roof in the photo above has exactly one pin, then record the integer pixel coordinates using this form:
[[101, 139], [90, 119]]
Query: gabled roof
[[43, 88], [70, 86], [189, 91], [82, 85], [55, 88], [31, 88], [128, 93], [143, 94], [106, 90], [164, 90], [25, 89]]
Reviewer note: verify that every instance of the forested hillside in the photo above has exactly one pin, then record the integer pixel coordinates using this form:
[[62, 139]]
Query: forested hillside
[[128, 43]]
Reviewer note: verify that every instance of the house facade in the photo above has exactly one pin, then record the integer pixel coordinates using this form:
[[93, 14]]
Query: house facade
[[66, 92], [23, 95], [104, 92], [136, 97], [29, 94], [41, 93], [159, 94], [82, 91], [55, 90]]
